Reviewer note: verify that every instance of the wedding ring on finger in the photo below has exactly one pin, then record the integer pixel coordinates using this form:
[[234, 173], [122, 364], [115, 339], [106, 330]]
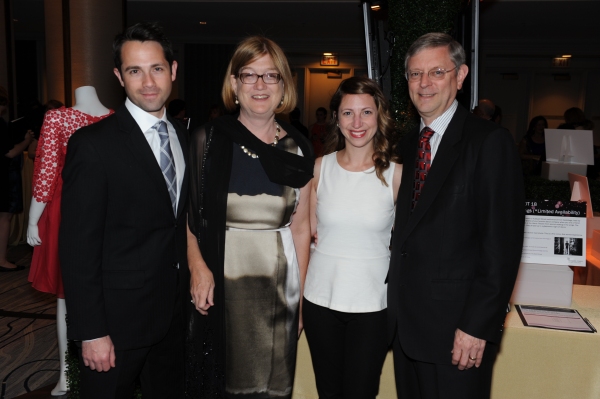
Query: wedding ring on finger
[[472, 358]]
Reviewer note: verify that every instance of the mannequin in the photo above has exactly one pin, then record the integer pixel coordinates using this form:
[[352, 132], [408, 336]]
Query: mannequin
[[88, 109]]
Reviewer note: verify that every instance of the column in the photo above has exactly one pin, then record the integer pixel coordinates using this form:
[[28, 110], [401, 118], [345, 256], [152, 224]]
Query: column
[[55, 73], [90, 29]]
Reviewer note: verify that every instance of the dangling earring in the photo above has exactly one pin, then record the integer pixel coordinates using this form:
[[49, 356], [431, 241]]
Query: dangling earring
[[281, 102], [236, 101]]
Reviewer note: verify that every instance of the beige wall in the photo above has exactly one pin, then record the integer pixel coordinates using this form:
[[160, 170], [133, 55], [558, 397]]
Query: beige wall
[[321, 88]]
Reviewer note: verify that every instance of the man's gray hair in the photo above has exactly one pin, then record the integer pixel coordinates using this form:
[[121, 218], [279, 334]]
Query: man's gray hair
[[433, 40]]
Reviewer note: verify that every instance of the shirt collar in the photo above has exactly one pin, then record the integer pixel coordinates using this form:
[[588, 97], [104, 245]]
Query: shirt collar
[[144, 120], [440, 124]]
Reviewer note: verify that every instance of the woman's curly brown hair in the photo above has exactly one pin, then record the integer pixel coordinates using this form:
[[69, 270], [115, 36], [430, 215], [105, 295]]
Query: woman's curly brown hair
[[382, 141]]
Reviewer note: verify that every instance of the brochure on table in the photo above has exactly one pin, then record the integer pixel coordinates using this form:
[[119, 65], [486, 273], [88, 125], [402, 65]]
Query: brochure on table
[[569, 146], [555, 232]]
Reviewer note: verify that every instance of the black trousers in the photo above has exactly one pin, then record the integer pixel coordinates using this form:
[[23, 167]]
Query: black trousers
[[420, 380], [158, 367], [347, 350]]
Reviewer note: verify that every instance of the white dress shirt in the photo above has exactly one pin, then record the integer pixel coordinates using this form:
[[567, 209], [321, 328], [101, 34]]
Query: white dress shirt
[[439, 126], [146, 121]]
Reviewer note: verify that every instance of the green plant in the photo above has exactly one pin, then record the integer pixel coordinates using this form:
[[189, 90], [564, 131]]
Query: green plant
[[72, 361], [410, 19]]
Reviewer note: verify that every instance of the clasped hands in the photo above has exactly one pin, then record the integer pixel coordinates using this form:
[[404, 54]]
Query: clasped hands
[[467, 351]]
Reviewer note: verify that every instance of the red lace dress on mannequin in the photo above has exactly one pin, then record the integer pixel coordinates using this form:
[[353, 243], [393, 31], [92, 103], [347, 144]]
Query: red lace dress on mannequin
[[59, 125]]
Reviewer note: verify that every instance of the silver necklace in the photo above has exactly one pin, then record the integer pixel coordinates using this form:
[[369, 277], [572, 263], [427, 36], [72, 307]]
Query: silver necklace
[[252, 154]]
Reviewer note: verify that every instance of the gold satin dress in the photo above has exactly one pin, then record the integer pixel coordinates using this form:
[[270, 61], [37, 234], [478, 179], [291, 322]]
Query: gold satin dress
[[262, 288]]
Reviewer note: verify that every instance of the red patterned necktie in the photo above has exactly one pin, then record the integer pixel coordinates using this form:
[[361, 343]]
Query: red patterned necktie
[[422, 163]]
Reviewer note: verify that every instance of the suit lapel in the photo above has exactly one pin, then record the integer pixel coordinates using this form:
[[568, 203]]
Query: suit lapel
[[445, 157], [141, 151], [405, 194]]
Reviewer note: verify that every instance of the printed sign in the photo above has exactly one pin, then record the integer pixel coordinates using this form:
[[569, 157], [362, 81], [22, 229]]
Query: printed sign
[[555, 232]]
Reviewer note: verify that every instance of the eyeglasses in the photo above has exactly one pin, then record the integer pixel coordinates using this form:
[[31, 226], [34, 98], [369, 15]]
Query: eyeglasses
[[270, 78], [434, 74]]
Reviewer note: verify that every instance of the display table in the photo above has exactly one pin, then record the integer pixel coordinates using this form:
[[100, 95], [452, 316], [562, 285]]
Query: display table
[[532, 363], [541, 363]]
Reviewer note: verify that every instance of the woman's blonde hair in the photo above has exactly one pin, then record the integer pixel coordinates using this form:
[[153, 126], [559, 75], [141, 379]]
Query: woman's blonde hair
[[249, 50]]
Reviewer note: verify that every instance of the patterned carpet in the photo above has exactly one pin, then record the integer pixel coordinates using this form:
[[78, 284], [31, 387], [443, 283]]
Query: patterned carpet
[[28, 348]]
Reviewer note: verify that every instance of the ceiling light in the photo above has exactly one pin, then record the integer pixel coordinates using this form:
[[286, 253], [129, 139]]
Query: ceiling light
[[327, 53], [202, 22], [566, 56], [376, 5]]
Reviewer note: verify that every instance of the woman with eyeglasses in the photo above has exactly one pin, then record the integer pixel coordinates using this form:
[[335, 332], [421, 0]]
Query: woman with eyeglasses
[[353, 198], [249, 233]]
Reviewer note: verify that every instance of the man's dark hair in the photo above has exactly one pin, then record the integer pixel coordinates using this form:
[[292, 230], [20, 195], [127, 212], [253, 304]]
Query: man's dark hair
[[142, 32]]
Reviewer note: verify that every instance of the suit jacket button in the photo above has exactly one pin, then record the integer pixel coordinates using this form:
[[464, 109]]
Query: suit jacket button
[[175, 265], [404, 254]]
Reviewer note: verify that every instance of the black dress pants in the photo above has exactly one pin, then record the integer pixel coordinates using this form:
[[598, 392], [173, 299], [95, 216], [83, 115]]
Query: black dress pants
[[420, 380], [158, 367], [347, 350]]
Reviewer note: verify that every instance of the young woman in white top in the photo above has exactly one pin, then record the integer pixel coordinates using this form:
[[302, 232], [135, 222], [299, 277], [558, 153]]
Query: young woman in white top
[[352, 210]]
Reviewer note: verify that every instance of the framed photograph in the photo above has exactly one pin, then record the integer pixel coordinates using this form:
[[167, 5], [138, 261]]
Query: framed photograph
[[330, 60]]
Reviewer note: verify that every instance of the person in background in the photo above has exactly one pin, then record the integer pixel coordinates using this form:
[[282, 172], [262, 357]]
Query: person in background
[[249, 234], [532, 147], [574, 117], [295, 121], [8, 151], [214, 112], [458, 235], [318, 131], [353, 196], [485, 109]]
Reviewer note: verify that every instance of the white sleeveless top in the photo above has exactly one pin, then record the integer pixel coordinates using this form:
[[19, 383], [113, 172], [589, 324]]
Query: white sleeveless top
[[355, 213]]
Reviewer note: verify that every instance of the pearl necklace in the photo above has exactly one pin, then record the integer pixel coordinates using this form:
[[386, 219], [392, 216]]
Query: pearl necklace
[[274, 143]]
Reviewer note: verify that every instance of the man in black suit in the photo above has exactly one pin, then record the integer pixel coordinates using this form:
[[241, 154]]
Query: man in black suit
[[458, 235], [122, 235]]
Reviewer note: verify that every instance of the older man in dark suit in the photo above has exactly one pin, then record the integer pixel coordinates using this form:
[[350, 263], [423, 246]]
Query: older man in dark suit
[[122, 235], [458, 235]]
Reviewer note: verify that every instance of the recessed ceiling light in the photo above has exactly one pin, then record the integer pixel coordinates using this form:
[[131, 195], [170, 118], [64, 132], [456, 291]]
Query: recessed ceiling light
[[566, 56], [327, 53]]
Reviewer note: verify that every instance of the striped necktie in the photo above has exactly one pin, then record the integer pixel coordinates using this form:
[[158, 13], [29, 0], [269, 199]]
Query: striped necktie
[[167, 164]]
